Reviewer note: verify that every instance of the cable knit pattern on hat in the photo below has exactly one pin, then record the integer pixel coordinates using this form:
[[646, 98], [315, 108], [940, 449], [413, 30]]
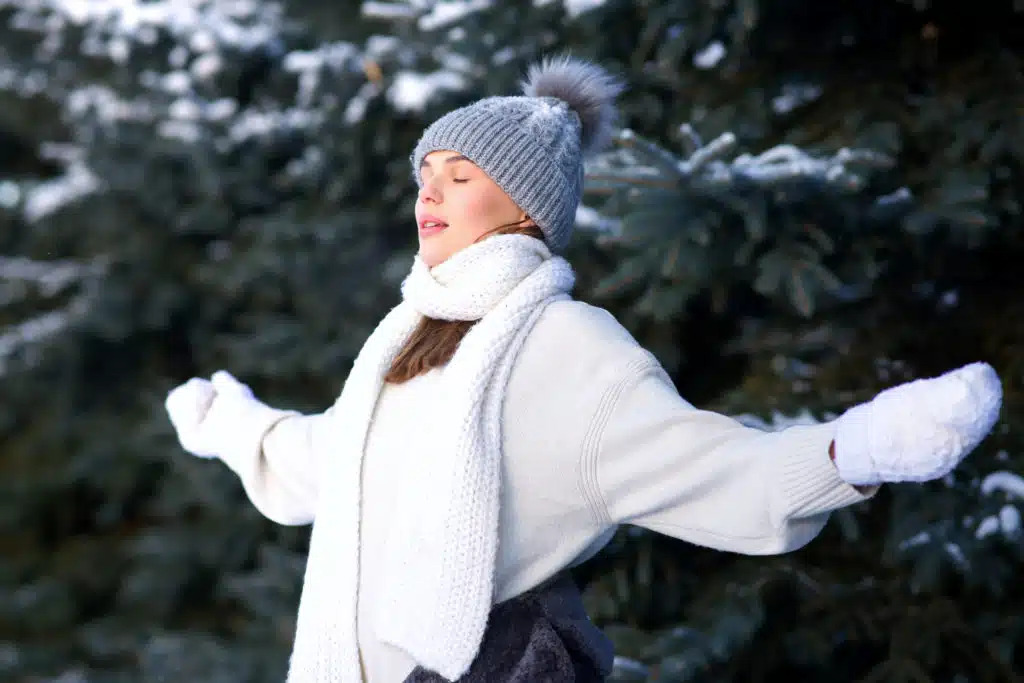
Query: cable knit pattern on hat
[[442, 550]]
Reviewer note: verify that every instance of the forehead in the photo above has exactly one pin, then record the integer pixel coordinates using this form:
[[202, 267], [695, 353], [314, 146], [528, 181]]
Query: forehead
[[444, 156]]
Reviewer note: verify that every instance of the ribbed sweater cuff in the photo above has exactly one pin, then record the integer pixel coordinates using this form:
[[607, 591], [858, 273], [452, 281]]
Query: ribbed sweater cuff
[[809, 481], [250, 426]]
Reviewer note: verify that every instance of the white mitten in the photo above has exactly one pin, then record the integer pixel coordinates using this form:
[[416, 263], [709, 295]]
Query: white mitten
[[187, 405], [219, 417], [920, 430]]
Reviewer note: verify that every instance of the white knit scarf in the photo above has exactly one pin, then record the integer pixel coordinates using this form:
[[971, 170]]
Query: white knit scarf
[[441, 551]]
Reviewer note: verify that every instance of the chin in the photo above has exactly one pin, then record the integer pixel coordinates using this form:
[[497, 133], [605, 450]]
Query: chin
[[432, 257]]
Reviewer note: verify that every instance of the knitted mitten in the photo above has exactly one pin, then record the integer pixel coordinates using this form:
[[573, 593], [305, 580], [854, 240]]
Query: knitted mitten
[[920, 430], [217, 418]]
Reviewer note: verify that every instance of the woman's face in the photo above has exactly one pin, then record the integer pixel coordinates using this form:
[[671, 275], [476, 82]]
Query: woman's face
[[457, 204]]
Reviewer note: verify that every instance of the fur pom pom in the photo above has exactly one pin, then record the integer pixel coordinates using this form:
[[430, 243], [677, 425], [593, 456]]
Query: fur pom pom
[[588, 89]]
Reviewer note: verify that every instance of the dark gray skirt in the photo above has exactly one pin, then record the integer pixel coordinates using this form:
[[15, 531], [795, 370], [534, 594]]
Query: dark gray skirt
[[541, 636]]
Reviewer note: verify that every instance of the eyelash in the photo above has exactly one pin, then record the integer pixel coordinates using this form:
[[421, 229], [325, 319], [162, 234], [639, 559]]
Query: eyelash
[[454, 180]]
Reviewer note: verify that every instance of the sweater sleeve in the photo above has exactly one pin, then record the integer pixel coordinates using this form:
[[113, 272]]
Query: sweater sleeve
[[705, 478], [280, 466]]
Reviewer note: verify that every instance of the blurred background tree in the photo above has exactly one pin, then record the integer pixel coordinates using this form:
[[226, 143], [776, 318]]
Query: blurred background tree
[[808, 203]]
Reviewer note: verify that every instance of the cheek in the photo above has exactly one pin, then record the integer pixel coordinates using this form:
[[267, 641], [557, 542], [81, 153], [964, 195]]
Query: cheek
[[489, 208], [473, 205]]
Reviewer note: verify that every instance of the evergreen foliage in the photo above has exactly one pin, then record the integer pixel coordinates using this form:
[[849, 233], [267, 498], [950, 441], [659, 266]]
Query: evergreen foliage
[[809, 202]]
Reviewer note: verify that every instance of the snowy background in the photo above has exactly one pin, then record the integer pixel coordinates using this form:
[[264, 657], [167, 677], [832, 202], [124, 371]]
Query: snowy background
[[790, 224]]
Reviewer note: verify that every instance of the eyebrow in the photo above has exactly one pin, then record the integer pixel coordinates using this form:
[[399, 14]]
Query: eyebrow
[[450, 160]]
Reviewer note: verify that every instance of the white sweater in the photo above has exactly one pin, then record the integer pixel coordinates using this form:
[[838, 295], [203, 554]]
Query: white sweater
[[595, 435]]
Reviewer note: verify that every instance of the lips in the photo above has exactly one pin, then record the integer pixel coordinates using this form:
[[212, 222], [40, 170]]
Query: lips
[[430, 225]]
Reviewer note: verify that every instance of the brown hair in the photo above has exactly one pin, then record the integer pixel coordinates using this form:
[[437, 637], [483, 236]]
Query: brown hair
[[433, 342]]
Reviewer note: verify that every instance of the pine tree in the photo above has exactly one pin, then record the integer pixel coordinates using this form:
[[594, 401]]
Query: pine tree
[[839, 244], [189, 220], [807, 203]]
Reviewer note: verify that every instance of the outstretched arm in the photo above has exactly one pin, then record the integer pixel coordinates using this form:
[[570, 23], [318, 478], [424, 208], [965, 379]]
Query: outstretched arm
[[705, 478], [275, 453]]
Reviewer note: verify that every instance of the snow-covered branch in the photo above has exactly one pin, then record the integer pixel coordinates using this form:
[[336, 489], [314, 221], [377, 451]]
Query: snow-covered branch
[[38, 329], [635, 159], [19, 276]]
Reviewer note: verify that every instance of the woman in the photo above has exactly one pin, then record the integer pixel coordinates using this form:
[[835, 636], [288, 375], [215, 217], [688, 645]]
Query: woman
[[494, 432]]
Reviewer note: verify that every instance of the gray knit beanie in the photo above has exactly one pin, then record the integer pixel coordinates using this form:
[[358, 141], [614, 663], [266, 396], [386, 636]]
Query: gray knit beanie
[[533, 145]]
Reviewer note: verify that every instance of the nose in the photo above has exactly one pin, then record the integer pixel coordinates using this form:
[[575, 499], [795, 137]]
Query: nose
[[429, 193]]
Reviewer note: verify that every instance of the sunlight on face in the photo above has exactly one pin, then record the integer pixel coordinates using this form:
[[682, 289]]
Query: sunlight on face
[[457, 204]]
